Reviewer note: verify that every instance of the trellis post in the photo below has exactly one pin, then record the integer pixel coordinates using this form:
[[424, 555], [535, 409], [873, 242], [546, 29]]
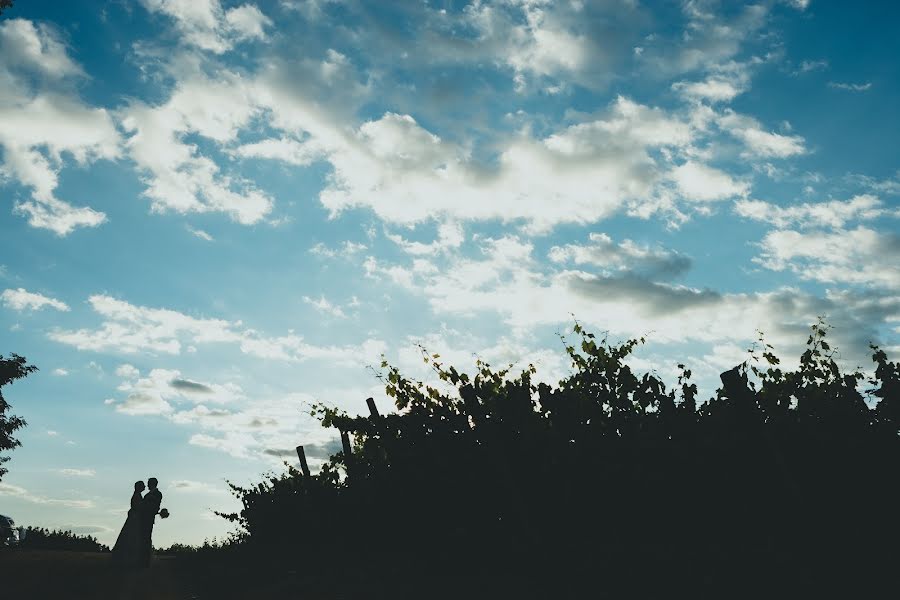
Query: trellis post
[[303, 464], [348, 451], [373, 410]]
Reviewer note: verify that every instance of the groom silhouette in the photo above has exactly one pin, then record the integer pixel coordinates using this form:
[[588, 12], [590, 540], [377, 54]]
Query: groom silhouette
[[149, 507]]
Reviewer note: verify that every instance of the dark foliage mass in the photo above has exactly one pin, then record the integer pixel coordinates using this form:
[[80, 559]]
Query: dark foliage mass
[[12, 368], [607, 483], [38, 538], [208, 547]]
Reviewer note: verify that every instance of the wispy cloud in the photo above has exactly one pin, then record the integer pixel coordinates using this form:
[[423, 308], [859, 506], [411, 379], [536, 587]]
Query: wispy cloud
[[162, 389], [194, 487], [132, 329], [345, 250], [200, 234], [21, 493], [833, 213], [810, 66], [21, 299], [208, 26], [324, 306], [77, 472], [850, 87]]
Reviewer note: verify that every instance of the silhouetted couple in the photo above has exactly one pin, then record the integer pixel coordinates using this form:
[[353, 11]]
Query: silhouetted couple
[[134, 544]]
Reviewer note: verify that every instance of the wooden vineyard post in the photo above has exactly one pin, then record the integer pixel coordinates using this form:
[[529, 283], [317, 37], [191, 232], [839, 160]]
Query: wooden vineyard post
[[348, 451], [374, 414], [373, 410], [303, 465]]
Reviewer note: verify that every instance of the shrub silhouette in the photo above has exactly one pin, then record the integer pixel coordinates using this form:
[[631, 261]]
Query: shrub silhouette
[[607, 481], [38, 538]]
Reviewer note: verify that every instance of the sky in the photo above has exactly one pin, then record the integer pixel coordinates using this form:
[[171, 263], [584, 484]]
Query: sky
[[215, 214]]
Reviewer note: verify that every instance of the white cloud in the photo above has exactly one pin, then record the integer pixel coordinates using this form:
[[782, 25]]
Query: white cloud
[[60, 372], [21, 299], [127, 371], [283, 149], [206, 25], [760, 143], [833, 213], [248, 22], [197, 20], [541, 46], [177, 176], [581, 174], [450, 236], [713, 88], [35, 47], [859, 256], [723, 82], [702, 183], [43, 124]]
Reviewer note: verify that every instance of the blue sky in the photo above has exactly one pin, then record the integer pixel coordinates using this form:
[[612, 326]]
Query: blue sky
[[213, 214]]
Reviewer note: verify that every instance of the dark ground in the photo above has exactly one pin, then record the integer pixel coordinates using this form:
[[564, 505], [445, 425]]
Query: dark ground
[[32, 574], [40, 574]]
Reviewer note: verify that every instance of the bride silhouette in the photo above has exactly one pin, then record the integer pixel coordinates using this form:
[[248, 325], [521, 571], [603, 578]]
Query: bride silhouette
[[127, 551]]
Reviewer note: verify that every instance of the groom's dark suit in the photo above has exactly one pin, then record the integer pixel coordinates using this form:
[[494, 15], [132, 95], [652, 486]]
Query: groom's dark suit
[[149, 507]]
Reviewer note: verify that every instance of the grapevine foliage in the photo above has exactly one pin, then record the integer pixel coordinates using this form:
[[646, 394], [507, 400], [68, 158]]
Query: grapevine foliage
[[492, 475]]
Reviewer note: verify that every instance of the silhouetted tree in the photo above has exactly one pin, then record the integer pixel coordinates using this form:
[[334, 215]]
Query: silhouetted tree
[[4, 4], [12, 368]]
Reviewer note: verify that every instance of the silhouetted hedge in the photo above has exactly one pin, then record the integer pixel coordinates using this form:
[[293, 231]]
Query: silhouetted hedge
[[38, 538], [607, 483]]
